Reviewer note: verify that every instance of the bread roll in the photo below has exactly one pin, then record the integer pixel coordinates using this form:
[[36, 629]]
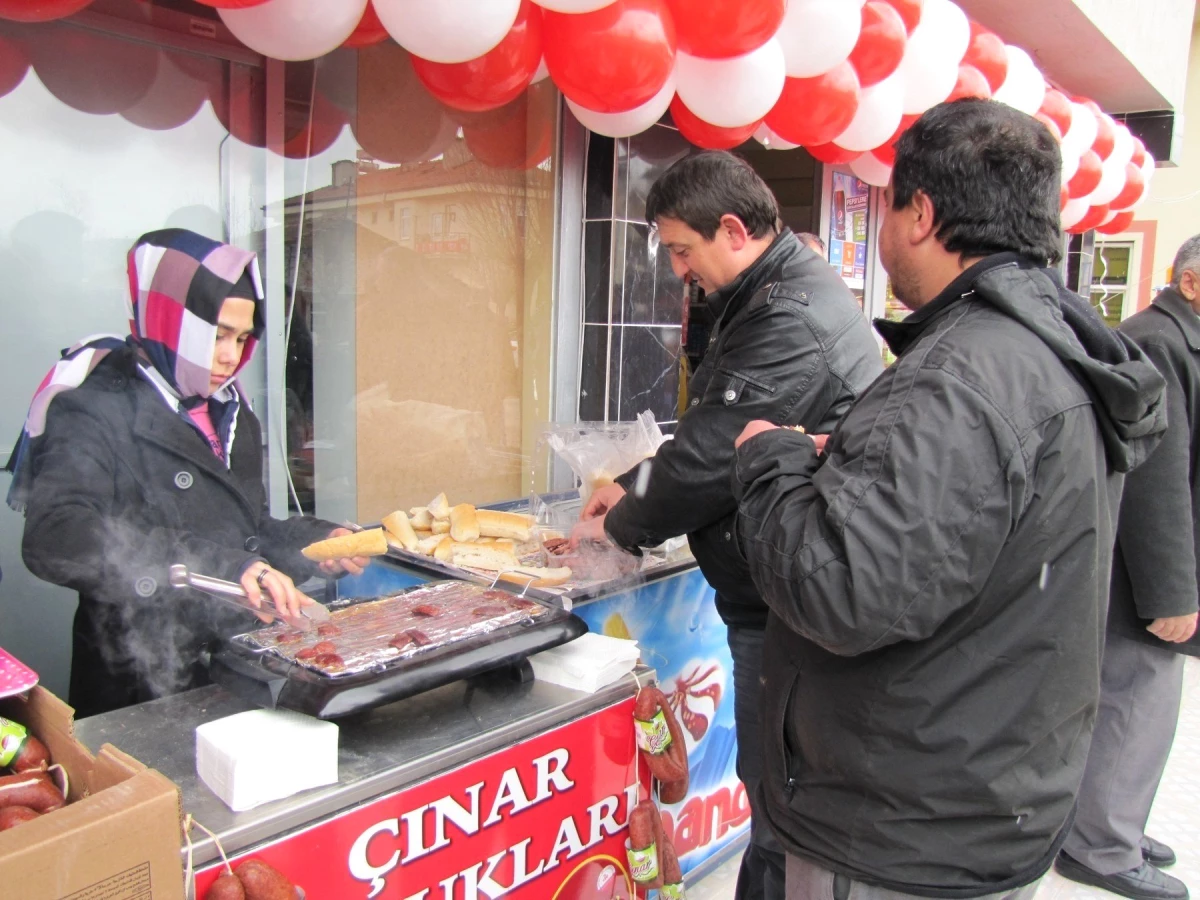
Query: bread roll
[[532, 576], [420, 519], [397, 526], [444, 551], [483, 556], [463, 524], [371, 542], [439, 507], [441, 526], [503, 525], [427, 545]]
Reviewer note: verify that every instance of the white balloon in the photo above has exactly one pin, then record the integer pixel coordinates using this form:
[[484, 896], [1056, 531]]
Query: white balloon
[[446, 31], [1112, 181], [929, 69], [1074, 212], [573, 6], [1070, 162], [1122, 143], [1148, 171], [294, 29], [633, 121], [731, 92], [871, 169], [880, 109], [542, 73], [1112, 215], [816, 35], [1024, 87], [1082, 133], [769, 139]]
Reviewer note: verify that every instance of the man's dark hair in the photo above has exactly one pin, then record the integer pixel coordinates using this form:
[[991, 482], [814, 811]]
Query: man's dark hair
[[699, 189], [993, 175], [807, 237]]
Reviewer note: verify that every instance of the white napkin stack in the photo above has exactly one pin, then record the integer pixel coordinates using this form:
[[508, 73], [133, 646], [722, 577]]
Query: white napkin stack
[[254, 757], [587, 663]]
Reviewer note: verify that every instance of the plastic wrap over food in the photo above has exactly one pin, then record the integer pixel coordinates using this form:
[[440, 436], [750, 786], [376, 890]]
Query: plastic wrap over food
[[369, 635]]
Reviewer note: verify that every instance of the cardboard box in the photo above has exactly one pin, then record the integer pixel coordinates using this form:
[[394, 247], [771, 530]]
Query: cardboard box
[[117, 839]]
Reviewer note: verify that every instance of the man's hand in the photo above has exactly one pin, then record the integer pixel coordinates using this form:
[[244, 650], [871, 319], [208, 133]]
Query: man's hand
[[351, 565], [819, 440], [1174, 629], [260, 578], [602, 500], [758, 426], [589, 530]]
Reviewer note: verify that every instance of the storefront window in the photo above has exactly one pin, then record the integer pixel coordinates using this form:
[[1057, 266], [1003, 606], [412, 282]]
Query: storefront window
[[420, 342], [849, 230]]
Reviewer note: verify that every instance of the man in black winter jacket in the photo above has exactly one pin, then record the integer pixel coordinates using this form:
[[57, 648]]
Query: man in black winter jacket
[[790, 344], [938, 577], [1151, 620]]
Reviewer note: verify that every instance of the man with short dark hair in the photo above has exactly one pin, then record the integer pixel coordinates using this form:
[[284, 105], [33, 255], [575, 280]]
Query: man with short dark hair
[[813, 243], [791, 344], [1152, 617], [938, 575]]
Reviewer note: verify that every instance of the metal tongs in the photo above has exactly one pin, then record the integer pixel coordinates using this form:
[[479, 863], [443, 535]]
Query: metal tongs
[[232, 593]]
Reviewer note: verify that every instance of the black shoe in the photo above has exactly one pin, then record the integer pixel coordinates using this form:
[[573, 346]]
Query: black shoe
[[1143, 883], [1157, 853]]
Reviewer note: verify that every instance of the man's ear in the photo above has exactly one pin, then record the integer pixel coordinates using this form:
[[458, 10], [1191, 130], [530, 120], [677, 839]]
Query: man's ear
[[1189, 285], [735, 231], [921, 222]]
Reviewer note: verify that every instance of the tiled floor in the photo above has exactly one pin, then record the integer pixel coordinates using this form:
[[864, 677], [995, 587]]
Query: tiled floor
[[1175, 818]]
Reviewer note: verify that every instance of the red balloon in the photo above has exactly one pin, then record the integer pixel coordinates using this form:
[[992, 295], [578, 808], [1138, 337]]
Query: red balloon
[[910, 12], [1088, 177], [173, 99], [706, 135], [970, 83], [232, 4], [1050, 124], [249, 94], [887, 151], [398, 121], [831, 154], [315, 132], [13, 65], [1093, 217], [1057, 107], [1139, 152], [1121, 223], [718, 29], [1135, 186], [517, 136], [614, 59], [494, 79], [986, 53], [880, 44], [89, 71], [1106, 137], [368, 32], [816, 110], [39, 10]]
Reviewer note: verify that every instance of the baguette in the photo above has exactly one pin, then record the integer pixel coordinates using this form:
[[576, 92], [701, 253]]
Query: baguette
[[440, 526], [532, 576], [463, 524], [439, 507], [371, 542], [483, 556], [420, 518], [427, 545], [503, 525], [397, 526]]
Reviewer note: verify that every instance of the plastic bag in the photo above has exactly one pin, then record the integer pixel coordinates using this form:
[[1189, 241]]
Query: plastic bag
[[598, 452]]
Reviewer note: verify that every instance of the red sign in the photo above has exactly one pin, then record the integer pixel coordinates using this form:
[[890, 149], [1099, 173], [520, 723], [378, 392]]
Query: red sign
[[545, 819]]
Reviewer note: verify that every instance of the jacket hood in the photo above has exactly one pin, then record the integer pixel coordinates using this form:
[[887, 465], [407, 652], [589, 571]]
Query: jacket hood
[[178, 281], [1128, 393]]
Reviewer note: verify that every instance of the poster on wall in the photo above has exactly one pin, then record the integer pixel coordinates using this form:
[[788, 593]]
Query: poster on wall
[[849, 229], [675, 622]]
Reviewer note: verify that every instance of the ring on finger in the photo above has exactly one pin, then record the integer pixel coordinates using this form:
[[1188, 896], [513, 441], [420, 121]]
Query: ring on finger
[[262, 576]]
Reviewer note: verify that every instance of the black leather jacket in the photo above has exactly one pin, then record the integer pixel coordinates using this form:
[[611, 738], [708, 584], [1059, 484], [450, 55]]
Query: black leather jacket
[[791, 346]]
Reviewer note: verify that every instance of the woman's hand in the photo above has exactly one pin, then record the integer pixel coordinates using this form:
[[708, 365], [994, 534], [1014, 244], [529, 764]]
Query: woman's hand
[[351, 565], [260, 579]]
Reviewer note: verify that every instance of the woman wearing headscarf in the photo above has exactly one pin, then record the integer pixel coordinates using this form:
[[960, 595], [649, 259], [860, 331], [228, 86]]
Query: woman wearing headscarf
[[143, 452]]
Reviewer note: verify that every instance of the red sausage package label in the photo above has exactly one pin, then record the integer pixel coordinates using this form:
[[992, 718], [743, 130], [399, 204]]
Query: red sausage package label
[[653, 736], [12, 736], [544, 819]]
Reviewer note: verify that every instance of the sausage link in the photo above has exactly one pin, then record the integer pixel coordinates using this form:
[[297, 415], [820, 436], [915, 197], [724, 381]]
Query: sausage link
[[35, 790], [660, 738], [642, 848]]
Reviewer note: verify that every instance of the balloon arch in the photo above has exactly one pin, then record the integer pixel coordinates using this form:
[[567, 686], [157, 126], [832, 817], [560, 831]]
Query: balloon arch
[[842, 78]]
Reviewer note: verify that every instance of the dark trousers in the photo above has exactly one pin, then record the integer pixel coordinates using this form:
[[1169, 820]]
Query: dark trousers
[[763, 872]]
